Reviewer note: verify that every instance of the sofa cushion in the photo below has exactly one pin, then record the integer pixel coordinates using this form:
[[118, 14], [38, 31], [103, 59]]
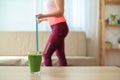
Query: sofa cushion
[[20, 43], [13, 61], [23, 61], [77, 61], [75, 44]]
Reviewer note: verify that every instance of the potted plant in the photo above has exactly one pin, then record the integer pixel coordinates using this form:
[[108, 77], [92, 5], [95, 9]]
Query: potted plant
[[113, 18], [108, 45]]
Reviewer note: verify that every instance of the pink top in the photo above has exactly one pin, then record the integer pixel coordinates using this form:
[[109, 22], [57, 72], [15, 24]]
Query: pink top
[[51, 7]]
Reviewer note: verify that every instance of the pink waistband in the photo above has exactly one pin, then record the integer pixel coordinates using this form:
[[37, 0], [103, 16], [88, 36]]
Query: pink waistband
[[55, 20]]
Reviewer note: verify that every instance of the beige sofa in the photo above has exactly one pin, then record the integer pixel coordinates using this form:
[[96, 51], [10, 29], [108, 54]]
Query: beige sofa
[[15, 45]]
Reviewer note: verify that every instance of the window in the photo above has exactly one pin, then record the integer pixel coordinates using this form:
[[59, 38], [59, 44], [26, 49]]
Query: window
[[19, 15]]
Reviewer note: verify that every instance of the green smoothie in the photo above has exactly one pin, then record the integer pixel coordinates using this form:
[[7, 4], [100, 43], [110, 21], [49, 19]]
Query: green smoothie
[[34, 62]]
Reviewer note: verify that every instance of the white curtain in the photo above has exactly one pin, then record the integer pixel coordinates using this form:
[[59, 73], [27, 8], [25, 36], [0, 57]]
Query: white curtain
[[19, 15]]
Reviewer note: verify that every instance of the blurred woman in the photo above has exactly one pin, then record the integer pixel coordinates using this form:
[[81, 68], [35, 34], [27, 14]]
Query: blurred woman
[[56, 41]]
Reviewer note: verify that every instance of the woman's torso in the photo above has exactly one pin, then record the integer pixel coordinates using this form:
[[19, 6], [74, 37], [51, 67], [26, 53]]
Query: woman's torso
[[51, 7]]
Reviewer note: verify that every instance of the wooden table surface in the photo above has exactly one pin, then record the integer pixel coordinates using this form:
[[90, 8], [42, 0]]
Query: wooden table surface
[[60, 73]]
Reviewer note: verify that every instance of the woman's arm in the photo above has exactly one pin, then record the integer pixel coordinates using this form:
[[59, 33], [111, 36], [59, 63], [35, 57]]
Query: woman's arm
[[57, 13]]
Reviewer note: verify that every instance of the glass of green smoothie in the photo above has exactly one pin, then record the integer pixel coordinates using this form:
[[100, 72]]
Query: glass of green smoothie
[[34, 60]]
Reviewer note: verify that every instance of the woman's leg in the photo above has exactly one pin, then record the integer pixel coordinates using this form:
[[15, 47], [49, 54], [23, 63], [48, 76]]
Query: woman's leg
[[61, 54], [48, 51], [56, 42], [62, 31]]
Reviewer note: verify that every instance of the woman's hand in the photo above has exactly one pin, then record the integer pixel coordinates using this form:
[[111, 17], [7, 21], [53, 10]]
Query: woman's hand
[[40, 20], [39, 16]]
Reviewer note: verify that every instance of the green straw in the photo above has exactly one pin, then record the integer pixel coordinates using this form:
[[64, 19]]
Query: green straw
[[37, 48]]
